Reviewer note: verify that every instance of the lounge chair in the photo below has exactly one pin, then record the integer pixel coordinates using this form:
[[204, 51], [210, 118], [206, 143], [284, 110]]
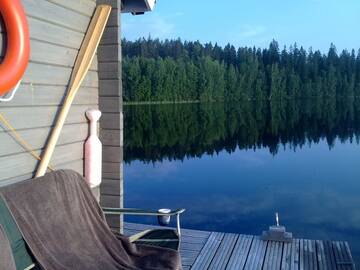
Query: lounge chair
[[24, 260]]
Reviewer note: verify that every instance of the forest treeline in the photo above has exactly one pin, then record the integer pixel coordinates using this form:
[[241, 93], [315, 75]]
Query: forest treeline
[[173, 70], [179, 131]]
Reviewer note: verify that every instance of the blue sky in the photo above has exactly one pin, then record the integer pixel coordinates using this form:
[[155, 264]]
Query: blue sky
[[314, 23]]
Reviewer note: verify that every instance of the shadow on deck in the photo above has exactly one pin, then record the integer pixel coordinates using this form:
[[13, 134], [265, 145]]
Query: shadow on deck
[[214, 250]]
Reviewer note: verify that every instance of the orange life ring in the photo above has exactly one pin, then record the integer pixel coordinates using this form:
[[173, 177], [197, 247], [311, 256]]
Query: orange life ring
[[18, 45]]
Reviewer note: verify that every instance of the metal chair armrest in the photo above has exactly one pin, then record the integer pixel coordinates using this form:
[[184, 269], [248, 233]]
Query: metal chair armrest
[[142, 212]]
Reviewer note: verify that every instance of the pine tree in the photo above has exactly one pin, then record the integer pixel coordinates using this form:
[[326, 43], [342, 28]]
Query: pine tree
[[173, 70]]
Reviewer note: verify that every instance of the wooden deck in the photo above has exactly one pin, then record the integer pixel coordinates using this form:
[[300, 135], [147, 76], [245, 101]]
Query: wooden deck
[[215, 250]]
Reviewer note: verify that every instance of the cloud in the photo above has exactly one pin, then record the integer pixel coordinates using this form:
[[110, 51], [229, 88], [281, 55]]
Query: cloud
[[155, 26], [249, 34], [249, 31], [179, 14]]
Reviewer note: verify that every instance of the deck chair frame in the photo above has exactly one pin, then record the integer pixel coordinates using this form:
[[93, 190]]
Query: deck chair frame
[[141, 212]]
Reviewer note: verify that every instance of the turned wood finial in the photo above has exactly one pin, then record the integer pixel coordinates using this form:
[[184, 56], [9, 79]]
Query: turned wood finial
[[93, 115], [93, 151]]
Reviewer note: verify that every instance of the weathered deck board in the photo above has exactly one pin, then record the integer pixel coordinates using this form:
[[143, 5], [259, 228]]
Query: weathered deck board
[[273, 255], [308, 255], [240, 252], [256, 255], [208, 252], [348, 254], [224, 252], [214, 250], [290, 257], [321, 255], [343, 259]]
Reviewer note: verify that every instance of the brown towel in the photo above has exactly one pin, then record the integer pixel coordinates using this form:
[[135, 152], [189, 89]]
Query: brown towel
[[65, 228], [6, 257]]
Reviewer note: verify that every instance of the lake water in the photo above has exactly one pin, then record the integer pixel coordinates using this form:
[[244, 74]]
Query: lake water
[[232, 166]]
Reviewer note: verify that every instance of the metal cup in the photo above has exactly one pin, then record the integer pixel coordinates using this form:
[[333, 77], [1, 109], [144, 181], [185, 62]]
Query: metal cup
[[164, 220]]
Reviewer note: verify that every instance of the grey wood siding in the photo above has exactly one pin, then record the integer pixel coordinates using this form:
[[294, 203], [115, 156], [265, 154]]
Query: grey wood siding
[[57, 28], [111, 122]]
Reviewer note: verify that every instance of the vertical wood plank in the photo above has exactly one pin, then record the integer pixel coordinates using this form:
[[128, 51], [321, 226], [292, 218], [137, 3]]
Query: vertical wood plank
[[321, 256], [339, 260], [290, 257], [347, 255], [312, 254], [224, 252], [273, 256], [329, 254], [110, 67], [240, 253], [208, 251], [302, 265], [256, 254]]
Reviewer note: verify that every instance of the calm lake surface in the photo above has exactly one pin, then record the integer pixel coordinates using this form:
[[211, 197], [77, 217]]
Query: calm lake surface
[[232, 166]]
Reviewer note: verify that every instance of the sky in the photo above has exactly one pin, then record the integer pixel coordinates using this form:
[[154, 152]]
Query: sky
[[309, 23]]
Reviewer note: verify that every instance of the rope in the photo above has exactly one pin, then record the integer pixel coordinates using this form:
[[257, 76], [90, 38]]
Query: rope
[[20, 140], [6, 97]]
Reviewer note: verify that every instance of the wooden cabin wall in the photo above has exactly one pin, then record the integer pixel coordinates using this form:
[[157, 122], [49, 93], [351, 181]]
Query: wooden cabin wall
[[111, 122], [57, 28]]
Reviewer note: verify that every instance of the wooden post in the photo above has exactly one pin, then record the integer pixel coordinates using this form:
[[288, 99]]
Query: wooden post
[[82, 65], [111, 122]]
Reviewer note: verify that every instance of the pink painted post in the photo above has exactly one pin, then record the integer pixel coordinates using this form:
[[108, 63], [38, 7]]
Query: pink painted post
[[93, 151]]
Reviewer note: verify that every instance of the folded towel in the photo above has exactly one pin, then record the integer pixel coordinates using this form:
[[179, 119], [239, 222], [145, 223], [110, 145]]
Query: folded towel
[[65, 228]]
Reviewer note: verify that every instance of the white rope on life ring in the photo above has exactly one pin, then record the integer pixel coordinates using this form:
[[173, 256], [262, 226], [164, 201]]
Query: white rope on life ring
[[9, 96]]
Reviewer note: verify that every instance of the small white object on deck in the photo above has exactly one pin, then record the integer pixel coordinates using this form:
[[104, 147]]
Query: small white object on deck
[[93, 151]]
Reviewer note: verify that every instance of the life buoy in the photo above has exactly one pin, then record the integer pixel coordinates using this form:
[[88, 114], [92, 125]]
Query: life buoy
[[17, 52]]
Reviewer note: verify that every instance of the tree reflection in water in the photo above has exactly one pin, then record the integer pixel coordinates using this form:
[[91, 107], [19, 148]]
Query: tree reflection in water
[[178, 131]]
